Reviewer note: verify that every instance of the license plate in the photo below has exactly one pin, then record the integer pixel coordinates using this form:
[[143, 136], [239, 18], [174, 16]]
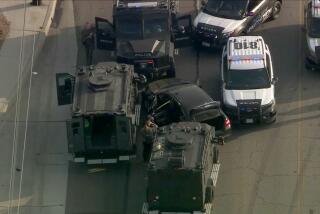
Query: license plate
[[249, 120], [206, 44]]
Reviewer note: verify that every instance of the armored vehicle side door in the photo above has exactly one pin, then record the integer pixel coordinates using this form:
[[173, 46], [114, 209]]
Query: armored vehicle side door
[[65, 88], [124, 132], [105, 34], [182, 31], [75, 135]]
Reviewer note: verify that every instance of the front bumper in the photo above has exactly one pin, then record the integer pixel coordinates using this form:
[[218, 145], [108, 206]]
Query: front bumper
[[209, 41], [266, 115], [311, 62]]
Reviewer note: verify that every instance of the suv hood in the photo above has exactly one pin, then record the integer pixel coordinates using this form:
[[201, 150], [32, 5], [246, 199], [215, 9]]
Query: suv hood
[[231, 96], [140, 48], [228, 24]]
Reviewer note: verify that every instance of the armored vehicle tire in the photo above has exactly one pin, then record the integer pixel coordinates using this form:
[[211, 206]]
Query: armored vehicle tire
[[276, 10], [209, 192], [216, 155], [171, 73], [307, 64]]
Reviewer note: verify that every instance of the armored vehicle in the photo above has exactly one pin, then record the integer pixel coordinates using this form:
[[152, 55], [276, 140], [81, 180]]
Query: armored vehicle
[[248, 82], [105, 112], [183, 169], [145, 33], [312, 31]]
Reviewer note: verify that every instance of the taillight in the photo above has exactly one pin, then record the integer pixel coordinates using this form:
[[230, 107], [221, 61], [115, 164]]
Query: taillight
[[227, 123], [150, 62]]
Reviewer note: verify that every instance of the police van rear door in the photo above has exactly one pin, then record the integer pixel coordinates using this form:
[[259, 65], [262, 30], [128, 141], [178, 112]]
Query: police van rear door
[[105, 35], [75, 136], [124, 133]]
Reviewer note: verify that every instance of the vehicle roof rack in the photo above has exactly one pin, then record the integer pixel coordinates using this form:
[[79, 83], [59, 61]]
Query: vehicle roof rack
[[142, 3]]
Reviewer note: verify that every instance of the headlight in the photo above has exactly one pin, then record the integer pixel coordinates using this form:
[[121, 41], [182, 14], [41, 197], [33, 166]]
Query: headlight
[[269, 107], [228, 34]]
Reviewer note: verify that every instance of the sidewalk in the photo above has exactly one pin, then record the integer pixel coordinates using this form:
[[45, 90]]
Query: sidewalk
[[37, 24]]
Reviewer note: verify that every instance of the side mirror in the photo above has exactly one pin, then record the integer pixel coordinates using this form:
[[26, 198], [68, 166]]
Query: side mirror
[[250, 13], [274, 80]]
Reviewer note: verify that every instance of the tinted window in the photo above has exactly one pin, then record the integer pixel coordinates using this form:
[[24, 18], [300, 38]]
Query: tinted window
[[247, 79], [253, 4], [155, 26], [129, 28], [234, 9]]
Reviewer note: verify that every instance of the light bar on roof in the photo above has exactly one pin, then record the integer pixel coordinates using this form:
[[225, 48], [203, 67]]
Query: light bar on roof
[[143, 4], [246, 57]]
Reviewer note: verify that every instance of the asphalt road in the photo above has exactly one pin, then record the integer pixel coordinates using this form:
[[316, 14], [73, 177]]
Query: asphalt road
[[265, 169]]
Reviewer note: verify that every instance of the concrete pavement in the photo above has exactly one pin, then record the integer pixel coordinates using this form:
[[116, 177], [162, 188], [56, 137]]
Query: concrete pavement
[[36, 180]]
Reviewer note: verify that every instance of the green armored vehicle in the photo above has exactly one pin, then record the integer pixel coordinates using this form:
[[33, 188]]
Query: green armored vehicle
[[105, 112], [183, 169]]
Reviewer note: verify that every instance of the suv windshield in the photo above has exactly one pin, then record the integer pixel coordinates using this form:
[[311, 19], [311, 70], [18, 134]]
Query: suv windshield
[[140, 29], [247, 79], [231, 9], [129, 28], [155, 26]]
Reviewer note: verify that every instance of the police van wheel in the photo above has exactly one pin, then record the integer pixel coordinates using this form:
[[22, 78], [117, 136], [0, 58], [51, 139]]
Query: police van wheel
[[307, 65], [276, 10]]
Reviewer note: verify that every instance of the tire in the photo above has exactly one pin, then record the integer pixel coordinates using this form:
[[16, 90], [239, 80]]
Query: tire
[[171, 73], [209, 192], [216, 155], [276, 10]]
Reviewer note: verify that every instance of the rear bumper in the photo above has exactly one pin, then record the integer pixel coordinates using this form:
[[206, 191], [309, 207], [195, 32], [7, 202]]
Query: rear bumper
[[224, 133], [312, 63], [104, 158]]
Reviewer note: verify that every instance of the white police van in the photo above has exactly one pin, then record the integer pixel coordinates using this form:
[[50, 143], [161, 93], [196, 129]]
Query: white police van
[[247, 85], [312, 30], [220, 19]]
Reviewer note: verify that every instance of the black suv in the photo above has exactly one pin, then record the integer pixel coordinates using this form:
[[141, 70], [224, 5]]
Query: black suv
[[145, 34], [174, 100]]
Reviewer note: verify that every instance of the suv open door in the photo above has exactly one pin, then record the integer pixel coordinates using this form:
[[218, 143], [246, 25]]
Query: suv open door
[[182, 31], [105, 34], [65, 88]]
